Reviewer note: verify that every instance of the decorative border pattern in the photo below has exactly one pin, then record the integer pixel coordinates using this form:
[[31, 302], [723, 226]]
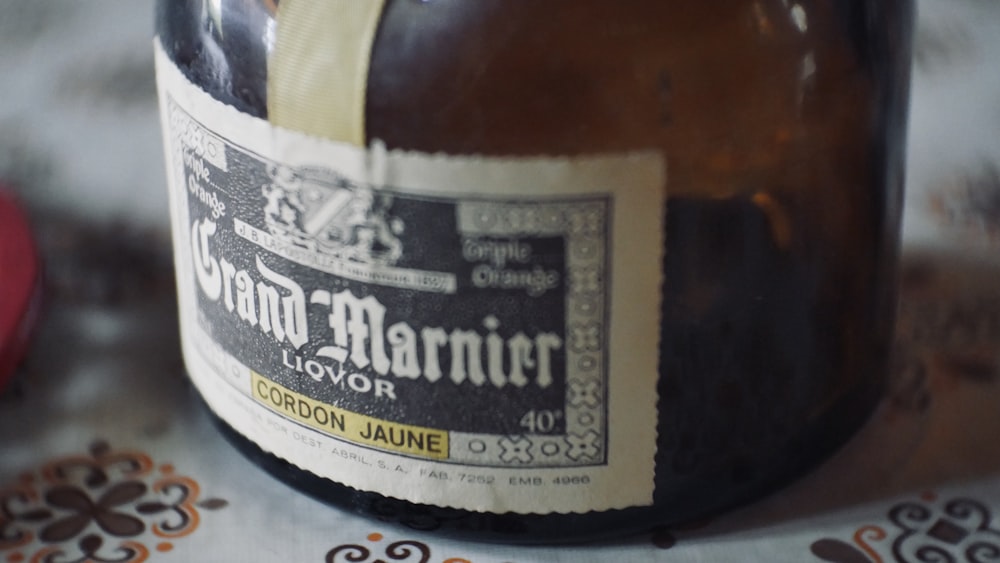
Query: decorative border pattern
[[583, 226]]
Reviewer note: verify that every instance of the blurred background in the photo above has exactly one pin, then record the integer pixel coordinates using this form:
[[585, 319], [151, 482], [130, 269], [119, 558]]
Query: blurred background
[[79, 131], [80, 146]]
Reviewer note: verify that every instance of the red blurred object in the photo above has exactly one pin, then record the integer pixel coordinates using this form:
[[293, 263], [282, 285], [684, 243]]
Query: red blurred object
[[20, 288]]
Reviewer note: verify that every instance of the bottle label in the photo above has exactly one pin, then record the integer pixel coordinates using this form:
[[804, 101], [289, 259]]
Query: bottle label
[[472, 332]]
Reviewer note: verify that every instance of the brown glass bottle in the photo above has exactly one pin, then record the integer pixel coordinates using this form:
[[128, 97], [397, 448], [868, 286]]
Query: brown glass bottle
[[782, 125]]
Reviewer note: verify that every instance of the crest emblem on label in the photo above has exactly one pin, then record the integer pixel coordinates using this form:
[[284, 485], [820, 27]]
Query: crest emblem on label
[[332, 216], [432, 328]]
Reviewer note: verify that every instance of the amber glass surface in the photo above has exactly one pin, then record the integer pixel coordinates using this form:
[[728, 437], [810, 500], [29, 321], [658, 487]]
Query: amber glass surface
[[783, 127]]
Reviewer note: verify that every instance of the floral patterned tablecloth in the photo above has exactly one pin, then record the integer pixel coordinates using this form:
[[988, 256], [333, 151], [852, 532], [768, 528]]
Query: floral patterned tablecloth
[[106, 454]]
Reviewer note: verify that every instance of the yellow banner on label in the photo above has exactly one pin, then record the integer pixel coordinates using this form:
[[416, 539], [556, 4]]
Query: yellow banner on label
[[354, 427]]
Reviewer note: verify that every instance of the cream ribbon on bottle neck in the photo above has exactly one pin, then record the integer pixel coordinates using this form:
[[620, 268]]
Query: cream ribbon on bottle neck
[[318, 70]]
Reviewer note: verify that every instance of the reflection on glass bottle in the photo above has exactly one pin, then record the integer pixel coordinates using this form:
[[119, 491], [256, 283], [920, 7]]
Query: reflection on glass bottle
[[782, 124]]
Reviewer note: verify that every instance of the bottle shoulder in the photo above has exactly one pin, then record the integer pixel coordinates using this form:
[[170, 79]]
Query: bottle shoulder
[[734, 84], [221, 46]]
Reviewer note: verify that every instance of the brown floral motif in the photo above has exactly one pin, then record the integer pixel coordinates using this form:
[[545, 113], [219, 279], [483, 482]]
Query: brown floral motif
[[89, 548], [921, 531], [178, 502], [83, 511], [106, 507], [829, 549], [12, 536], [406, 551]]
